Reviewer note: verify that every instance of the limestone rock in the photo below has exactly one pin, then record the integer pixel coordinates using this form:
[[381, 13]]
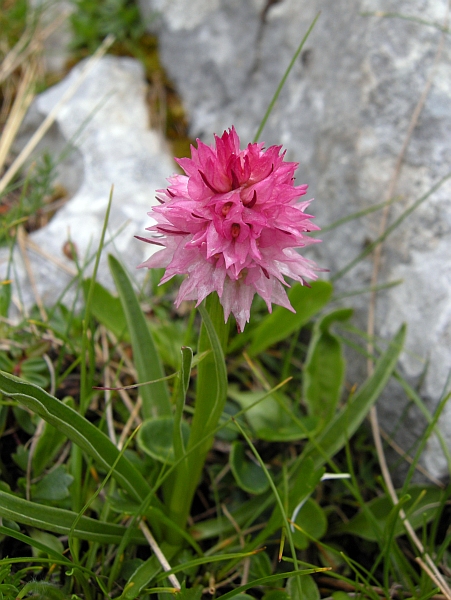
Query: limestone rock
[[343, 115], [106, 123]]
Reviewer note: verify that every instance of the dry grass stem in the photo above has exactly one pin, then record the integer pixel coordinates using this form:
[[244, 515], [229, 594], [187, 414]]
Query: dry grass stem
[[29, 44], [49, 120], [24, 96], [159, 554], [133, 418], [409, 459], [247, 560], [52, 258]]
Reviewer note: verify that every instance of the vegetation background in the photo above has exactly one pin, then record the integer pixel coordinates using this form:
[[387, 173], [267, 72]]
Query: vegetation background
[[295, 498]]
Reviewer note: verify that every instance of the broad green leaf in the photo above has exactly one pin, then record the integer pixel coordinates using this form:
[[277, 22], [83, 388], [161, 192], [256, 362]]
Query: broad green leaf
[[291, 432], [49, 540], [421, 508], [58, 520], [53, 486], [260, 566], [20, 457], [264, 414], [304, 484], [155, 438], [249, 475], [312, 520], [191, 593], [23, 419], [276, 595], [303, 588], [336, 433], [78, 429], [155, 396], [324, 368], [306, 301], [107, 309], [267, 419]]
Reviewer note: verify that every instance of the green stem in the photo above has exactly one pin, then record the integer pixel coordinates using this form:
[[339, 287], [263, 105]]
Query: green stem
[[209, 405]]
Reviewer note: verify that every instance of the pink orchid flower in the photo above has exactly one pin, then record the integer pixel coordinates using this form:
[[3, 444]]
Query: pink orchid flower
[[232, 225]]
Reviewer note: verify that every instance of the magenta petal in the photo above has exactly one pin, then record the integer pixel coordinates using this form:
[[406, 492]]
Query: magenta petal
[[232, 224]]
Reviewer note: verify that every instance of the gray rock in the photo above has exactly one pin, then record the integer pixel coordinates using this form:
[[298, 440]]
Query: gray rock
[[106, 123], [343, 114]]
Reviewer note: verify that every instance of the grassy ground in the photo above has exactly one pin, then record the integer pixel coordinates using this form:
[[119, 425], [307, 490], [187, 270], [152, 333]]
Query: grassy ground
[[294, 500]]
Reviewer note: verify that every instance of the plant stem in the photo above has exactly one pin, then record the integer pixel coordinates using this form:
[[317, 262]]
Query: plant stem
[[209, 405]]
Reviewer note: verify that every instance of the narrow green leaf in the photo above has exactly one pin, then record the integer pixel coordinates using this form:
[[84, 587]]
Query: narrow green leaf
[[284, 78], [335, 435], [58, 520], [306, 301], [78, 429], [265, 580], [142, 576], [369, 249], [181, 391], [305, 590], [147, 361], [35, 543]]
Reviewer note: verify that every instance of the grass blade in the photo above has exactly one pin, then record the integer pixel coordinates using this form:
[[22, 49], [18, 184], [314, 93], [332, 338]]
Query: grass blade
[[155, 397], [284, 78]]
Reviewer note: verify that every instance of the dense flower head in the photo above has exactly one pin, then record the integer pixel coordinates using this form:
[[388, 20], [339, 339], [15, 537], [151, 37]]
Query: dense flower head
[[232, 224]]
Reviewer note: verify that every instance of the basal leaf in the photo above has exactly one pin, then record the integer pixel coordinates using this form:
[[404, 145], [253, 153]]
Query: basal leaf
[[155, 438], [53, 486], [58, 520], [324, 368], [336, 433], [311, 520]]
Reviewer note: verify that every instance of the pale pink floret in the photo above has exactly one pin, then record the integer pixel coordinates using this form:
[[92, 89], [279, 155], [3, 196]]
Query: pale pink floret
[[231, 225]]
